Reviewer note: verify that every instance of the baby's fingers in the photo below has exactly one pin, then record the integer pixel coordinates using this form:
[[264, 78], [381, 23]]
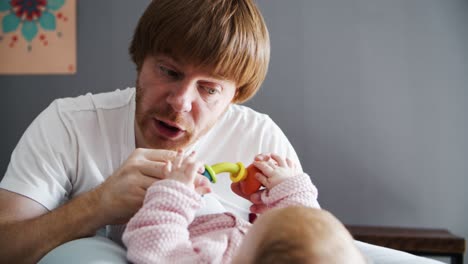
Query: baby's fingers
[[262, 179], [279, 160], [262, 157], [265, 167], [191, 169], [202, 185], [291, 164], [179, 158], [167, 168]]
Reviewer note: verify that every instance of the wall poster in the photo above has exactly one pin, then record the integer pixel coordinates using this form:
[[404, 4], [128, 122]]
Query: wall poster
[[37, 36]]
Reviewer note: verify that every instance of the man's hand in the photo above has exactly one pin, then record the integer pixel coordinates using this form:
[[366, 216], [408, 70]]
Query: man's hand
[[257, 206], [122, 194], [27, 226]]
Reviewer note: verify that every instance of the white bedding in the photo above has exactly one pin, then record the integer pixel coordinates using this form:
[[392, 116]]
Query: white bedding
[[101, 250], [382, 255]]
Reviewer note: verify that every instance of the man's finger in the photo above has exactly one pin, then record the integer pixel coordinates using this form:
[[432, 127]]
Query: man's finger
[[256, 197], [158, 154], [153, 169], [235, 187], [258, 208], [145, 182]]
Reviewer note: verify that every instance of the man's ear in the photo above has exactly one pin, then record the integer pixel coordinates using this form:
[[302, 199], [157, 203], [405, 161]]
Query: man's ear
[[235, 99]]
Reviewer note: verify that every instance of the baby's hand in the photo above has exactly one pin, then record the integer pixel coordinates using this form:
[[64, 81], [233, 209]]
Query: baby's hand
[[188, 171], [275, 169]]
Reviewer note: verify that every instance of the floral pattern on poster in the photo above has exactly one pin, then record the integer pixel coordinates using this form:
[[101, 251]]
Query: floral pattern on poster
[[40, 33]]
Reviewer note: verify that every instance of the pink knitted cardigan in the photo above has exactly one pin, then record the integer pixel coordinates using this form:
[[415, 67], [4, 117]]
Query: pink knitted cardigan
[[165, 229]]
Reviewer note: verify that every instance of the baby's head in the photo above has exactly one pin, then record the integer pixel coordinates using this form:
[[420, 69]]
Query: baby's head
[[298, 235]]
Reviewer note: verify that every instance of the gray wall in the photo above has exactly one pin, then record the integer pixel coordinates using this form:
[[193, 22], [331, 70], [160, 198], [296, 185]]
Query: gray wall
[[372, 94]]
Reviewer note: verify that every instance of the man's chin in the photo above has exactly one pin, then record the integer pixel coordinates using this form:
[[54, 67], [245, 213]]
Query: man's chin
[[169, 145]]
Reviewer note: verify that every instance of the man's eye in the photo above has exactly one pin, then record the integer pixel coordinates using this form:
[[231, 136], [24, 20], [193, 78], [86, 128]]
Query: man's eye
[[168, 72], [209, 90]]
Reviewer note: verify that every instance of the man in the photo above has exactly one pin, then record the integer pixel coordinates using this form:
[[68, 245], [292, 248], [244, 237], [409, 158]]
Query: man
[[86, 162]]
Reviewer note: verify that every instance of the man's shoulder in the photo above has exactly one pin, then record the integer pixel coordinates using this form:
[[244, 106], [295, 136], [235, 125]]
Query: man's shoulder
[[244, 120], [241, 113], [100, 101]]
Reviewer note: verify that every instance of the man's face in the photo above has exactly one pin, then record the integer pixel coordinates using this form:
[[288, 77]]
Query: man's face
[[176, 103]]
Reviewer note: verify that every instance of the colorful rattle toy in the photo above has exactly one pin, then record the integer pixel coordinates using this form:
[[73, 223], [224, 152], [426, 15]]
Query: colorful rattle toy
[[246, 176]]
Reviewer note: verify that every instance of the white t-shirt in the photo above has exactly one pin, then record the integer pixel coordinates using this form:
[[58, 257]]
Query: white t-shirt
[[76, 143]]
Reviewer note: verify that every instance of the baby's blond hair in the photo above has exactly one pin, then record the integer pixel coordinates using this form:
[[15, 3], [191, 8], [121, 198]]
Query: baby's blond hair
[[306, 235]]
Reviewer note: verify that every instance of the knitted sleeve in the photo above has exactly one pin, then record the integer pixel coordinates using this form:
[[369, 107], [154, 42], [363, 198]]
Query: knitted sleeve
[[158, 233], [298, 190]]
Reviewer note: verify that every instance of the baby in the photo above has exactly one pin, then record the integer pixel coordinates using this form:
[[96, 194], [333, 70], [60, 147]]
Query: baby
[[167, 230], [298, 234]]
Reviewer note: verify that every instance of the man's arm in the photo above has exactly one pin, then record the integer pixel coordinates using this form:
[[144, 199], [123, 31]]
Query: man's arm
[[29, 230]]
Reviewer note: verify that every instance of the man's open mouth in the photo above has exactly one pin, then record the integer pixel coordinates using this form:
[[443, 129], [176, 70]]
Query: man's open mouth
[[167, 130]]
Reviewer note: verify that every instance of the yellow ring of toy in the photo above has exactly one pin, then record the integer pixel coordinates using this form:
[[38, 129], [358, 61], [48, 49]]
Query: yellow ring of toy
[[241, 175]]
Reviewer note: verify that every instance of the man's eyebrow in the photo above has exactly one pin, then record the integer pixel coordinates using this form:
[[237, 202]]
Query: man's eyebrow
[[167, 59], [164, 60], [169, 63]]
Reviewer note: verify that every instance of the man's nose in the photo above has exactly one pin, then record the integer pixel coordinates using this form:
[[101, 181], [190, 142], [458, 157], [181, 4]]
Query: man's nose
[[182, 96]]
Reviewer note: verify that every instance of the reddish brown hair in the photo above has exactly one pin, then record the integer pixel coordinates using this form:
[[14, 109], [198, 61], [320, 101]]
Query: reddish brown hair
[[227, 36]]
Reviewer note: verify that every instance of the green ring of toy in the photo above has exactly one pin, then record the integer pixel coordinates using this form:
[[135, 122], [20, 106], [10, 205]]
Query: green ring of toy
[[212, 173]]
